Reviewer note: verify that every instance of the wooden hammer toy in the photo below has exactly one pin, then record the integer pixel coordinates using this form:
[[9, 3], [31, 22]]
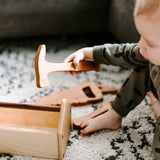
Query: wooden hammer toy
[[43, 68]]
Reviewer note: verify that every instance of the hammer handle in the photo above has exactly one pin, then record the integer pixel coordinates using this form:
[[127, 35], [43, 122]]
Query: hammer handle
[[60, 67]]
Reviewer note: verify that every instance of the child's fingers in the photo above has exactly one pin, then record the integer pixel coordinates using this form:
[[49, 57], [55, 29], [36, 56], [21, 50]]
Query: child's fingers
[[76, 61], [71, 73], [153, 99], [75, 58], [78, 72], [70, 58]]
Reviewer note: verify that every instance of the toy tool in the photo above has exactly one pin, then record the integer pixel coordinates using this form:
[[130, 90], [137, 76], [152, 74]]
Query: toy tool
[[43, 68], [85, 93]]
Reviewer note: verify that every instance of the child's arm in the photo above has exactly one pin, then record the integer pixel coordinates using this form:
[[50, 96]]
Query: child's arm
[[126, 55]]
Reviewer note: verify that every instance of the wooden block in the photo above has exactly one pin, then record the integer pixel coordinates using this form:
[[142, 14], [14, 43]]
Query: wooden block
[[35, 133]]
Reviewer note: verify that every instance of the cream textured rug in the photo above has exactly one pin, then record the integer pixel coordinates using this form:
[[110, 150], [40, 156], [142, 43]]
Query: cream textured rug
[[17, 84]]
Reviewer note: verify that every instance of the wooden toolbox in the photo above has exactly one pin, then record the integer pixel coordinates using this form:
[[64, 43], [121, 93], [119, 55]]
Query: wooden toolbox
[[38, 133]]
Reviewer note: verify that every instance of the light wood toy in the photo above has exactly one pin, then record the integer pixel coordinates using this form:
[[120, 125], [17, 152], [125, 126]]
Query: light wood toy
[[105, 89], [29, 106], [43, 68], [32, 130], [105, 107], [85, 93]]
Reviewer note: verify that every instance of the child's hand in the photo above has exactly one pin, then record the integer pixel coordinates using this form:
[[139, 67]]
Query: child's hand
[[76, 57]]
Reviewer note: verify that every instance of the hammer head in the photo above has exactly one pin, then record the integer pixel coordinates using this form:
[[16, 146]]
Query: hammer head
[[41, 75]]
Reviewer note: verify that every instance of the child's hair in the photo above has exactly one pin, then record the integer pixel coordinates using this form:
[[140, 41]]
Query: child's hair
[[147, 7]]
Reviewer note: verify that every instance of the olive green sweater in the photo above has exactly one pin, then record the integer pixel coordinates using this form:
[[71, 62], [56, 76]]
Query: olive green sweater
[[128, 56]]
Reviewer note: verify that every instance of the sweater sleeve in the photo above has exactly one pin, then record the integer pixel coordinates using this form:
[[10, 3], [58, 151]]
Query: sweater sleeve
[[134, 89], [124, 55]]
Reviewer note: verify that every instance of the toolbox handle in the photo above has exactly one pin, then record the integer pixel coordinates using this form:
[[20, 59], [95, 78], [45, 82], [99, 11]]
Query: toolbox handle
[[30, 106]]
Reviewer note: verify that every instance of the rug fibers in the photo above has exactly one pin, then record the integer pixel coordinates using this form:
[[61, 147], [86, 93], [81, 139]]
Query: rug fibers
[[17, 84]]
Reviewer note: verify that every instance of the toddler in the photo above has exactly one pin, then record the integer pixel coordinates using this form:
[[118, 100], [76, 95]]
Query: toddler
[[143, 58]]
